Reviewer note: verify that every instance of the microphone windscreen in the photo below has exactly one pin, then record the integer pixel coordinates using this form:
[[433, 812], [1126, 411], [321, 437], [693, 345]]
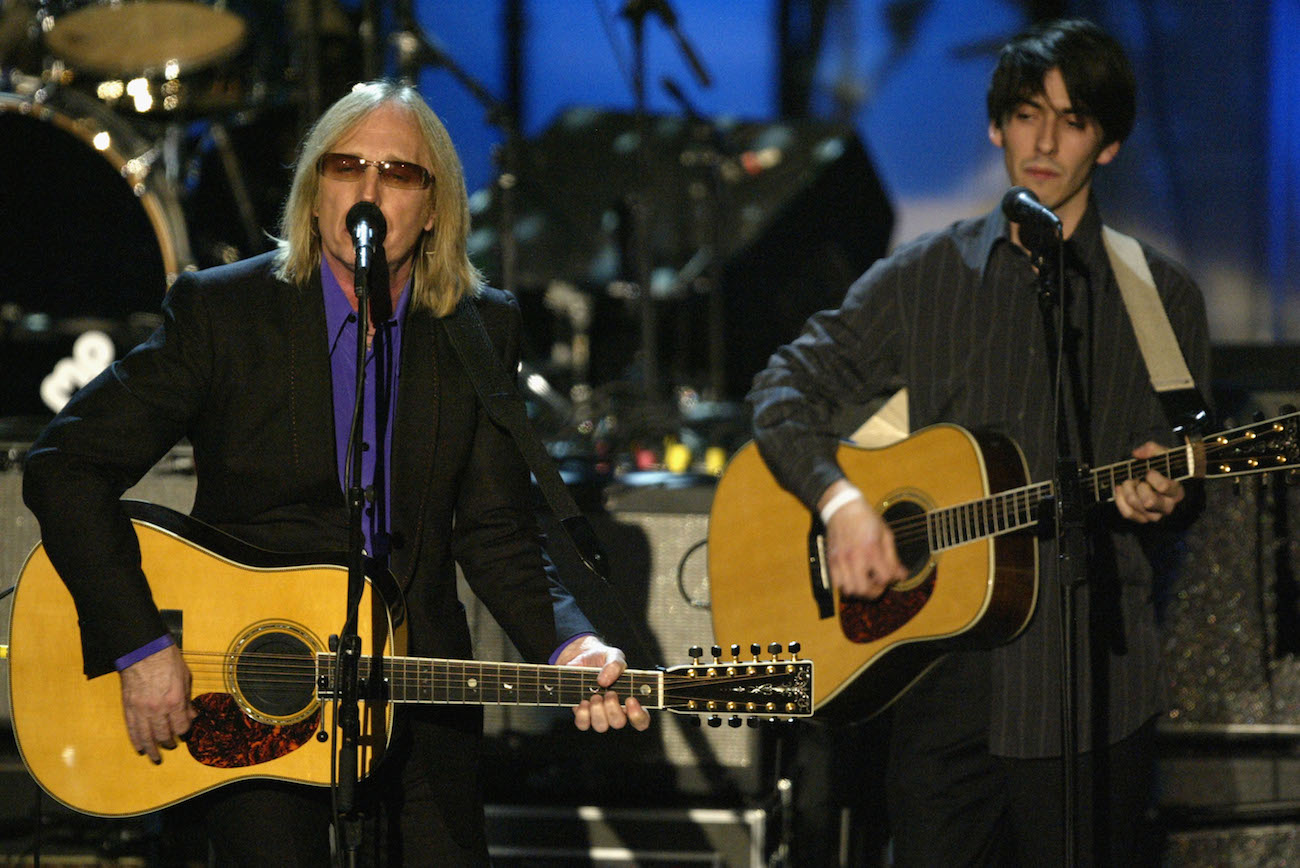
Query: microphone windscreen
[[368, 213], [1017, 201]]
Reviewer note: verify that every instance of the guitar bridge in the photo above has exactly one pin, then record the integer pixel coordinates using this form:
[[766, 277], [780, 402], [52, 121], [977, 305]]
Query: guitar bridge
[[817, 571]]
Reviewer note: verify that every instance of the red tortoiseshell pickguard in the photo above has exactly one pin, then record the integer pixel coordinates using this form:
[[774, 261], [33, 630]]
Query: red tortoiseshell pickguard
[[224, 737], [868, 620]]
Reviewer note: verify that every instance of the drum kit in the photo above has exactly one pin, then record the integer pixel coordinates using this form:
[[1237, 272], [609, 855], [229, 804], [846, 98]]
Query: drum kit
[[140, 138]]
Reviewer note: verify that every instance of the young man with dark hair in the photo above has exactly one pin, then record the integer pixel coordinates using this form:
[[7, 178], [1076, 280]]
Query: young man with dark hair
[[975, 771]]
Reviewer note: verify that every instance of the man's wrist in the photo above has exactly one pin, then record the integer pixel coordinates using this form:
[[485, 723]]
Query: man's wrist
[[559, 652], [133, 657], [840, 499]]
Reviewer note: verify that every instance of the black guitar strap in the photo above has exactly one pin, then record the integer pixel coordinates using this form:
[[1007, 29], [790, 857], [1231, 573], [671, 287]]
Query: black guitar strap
[[503, 403]]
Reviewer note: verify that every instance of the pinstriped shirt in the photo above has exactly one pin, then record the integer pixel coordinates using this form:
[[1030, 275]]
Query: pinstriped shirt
[[954, 317]]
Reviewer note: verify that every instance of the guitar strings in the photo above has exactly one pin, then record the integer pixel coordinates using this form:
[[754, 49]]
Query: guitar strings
[[989, 516], [279, 674]]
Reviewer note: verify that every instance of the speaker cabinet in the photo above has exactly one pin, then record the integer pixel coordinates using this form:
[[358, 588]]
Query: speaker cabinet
[[654, 608]]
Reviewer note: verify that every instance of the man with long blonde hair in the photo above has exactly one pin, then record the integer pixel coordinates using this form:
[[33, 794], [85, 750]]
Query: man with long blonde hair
[[255, 364]]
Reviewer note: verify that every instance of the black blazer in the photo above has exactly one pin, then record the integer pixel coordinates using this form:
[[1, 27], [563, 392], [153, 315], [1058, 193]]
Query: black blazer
[[240, 367]]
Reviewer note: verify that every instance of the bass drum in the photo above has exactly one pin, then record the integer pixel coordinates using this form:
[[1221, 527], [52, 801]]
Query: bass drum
[[91, 234]]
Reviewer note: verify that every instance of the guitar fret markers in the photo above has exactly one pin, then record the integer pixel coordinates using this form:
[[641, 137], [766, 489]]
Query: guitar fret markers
[[423, 680]]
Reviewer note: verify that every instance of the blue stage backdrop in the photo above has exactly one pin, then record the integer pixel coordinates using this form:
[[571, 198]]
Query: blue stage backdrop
[[1211, 173]]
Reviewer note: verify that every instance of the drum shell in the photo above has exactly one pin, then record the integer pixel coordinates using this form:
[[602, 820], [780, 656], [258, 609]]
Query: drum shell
[[92, 234]]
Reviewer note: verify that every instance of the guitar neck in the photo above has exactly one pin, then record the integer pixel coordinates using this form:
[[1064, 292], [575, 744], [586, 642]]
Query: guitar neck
[[433, 681], [1019, 508]]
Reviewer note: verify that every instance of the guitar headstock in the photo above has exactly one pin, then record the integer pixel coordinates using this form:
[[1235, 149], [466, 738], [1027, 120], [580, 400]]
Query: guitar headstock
[[775, 688], [1273, 444]]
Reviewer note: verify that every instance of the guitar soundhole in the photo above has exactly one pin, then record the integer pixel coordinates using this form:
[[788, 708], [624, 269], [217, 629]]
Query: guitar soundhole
[[271, 673], [906, 517]]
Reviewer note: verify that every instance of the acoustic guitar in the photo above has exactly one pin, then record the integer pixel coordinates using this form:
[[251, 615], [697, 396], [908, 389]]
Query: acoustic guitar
[[963, 515], [255, 629]]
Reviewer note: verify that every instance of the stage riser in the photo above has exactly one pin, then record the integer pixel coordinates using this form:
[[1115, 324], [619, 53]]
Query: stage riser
[[595, 836]]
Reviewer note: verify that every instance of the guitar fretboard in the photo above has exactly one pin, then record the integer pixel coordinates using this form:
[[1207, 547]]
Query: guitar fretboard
[[420, 680], [1018, 508]]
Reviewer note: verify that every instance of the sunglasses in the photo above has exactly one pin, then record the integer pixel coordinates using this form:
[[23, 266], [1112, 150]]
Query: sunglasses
[[392, 173]]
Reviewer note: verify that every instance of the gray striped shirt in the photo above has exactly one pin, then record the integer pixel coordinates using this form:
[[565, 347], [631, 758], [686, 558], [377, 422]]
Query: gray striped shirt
[[954, 317]]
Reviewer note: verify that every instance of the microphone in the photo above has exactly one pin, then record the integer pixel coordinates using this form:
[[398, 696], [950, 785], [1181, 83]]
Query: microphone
[[367, 227], [1022, 206]]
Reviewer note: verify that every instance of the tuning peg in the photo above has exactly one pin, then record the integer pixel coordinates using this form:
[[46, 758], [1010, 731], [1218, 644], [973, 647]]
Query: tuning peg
[[714, 721], [735, 653], [733, 722], [1259, 416], [716, 651], [755, 649], [775, 650], [794, 649], [695, 653], [695, 721], [752, 722]]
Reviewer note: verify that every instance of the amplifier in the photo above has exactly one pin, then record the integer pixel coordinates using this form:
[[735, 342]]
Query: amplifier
[[655, 609]]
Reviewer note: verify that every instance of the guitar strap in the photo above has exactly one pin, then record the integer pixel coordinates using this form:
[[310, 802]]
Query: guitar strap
[[1166, 366], [503, 403]]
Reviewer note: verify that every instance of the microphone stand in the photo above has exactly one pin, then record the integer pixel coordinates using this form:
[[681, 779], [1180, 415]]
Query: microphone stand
[[1047, 249], [639, 210], [639, 204], [414, 51], [347, 663]]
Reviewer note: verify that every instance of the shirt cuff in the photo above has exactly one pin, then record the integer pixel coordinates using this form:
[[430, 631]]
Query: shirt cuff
[[558, 651], [133, 657]]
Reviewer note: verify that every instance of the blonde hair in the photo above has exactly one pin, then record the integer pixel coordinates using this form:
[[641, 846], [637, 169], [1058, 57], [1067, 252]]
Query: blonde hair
[[442, 273]]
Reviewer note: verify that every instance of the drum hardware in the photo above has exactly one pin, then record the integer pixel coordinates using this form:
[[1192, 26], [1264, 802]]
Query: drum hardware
[[92, 232], [234, 175]]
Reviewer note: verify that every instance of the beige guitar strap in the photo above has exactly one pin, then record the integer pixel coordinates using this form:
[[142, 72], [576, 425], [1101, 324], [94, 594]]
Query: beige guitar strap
[[1165, 363], [887, 425], [1155, 336]]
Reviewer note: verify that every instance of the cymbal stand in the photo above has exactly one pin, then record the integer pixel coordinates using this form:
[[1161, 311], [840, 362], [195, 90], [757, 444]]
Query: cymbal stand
[[710, 150]]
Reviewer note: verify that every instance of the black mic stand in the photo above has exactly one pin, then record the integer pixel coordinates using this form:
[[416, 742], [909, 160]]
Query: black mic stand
[[347, 713], [414, 51], [639, 210], [1046, 247]]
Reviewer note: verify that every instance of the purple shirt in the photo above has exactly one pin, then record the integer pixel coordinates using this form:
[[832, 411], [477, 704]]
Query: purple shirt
[[382, 374], [382, 369]]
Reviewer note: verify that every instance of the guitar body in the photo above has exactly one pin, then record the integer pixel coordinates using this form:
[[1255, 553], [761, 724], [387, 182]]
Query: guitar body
[[766, 566], [70, 730]]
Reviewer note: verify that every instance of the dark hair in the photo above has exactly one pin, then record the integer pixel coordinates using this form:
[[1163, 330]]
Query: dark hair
[[1097, 74]]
